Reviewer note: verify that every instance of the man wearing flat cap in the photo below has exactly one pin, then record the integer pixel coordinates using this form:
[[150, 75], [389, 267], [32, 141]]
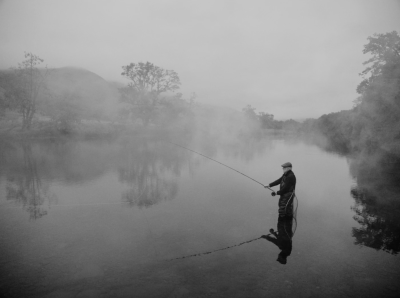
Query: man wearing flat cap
[[287, 186]]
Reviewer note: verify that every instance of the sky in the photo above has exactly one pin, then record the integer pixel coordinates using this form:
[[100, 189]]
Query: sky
[[293, 59]]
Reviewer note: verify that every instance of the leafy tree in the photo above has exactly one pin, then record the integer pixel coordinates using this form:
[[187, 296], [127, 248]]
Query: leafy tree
[[374, 122], [250, 112], [291, 124], [4, 102], [385, 51], [147, 83], [338, 128], [172, 108], [267, 120], [8, 83], [379, 107]]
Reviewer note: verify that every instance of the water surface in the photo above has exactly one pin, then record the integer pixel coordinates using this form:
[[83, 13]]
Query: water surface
[[140, 217]]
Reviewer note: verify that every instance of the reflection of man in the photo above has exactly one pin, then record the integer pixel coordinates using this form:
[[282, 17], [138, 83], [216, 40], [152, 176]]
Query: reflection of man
[[287, 185], [282, 238]]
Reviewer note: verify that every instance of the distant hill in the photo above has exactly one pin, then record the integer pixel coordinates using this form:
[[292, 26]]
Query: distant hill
[[97, 97]]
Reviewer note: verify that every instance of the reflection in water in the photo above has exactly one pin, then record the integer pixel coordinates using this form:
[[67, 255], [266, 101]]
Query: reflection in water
[[379, 220], [283, 237], [26, 186], [216, 250], [150, 170], [377, 202], [376, 196], [148, 166]]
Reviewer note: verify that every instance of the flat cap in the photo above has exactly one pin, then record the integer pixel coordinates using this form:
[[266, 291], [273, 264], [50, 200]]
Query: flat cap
[[286, 164]]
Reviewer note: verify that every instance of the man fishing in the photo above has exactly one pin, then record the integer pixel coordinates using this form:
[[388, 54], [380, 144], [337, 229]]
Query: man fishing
[[287, 186]]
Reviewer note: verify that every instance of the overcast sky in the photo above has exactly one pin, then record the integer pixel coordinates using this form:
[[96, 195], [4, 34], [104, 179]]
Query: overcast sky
[[294, 59]]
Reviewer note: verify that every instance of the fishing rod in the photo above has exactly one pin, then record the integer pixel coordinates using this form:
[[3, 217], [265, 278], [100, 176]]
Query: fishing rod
[[265, 186]]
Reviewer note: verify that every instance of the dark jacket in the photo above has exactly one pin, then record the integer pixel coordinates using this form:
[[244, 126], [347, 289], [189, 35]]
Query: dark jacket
[[287, 183]]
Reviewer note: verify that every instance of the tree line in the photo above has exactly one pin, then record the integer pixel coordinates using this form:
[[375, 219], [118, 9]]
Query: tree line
[[151, 97], [374, 121], [36, 93], [370, 134], [267, 121]]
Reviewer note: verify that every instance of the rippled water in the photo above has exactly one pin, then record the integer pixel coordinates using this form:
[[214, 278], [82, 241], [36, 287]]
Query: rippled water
[[140, 217]]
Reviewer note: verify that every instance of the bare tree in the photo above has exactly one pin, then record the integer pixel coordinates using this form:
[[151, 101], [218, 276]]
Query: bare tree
[[24, 86]]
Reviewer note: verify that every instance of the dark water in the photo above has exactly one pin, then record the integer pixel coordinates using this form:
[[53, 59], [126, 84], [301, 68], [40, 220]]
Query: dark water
[[139, 217]]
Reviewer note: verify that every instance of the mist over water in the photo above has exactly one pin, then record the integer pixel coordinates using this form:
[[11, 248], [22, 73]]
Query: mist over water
[[108, 218]]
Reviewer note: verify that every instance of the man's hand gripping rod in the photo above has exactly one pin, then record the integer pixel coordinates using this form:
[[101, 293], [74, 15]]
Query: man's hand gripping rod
[[266, 186], [273, 192]]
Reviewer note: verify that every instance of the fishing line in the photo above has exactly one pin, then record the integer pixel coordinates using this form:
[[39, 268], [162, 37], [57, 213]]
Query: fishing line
[[293, 197], [221, 164], [212, 251], [295, 214]]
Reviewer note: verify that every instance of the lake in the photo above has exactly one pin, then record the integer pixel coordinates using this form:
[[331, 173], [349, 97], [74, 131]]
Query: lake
[[141, 217]]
